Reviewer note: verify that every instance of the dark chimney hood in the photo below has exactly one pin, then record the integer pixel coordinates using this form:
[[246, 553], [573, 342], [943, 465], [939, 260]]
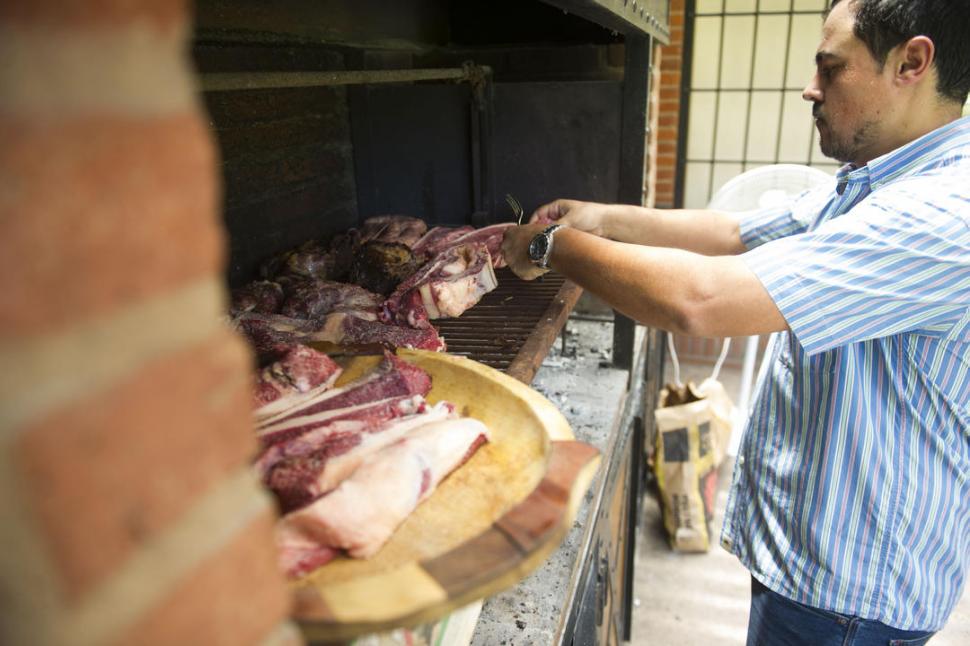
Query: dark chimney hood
[[650, 17]]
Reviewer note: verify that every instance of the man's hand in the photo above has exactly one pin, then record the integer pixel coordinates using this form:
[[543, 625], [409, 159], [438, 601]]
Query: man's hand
[[584, 216], [515, 249]]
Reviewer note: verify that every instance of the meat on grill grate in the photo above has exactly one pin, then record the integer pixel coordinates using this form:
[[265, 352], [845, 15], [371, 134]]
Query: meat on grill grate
[[446, 286]]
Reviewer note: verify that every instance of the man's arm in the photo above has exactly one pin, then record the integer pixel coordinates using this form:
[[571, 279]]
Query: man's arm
[[712, 233], [672, 289]]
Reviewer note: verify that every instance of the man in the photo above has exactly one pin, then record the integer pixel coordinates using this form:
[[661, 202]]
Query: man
[[851, 496]]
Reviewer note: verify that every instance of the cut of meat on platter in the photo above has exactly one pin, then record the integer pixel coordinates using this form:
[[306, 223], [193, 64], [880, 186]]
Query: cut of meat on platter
[[361, 514], [300, 372], [316, 463], [393, 377]]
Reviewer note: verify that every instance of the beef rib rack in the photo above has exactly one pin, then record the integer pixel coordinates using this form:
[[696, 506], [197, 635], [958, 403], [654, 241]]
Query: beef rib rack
[[444, 287]]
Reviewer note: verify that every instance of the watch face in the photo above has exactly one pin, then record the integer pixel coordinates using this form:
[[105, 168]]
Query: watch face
[[537, 248]]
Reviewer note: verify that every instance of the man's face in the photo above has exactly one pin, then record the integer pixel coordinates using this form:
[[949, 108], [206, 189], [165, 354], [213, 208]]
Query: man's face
[[850, 93]]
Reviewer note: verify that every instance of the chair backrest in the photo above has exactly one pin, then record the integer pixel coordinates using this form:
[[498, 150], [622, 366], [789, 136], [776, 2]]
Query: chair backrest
[[767, 186], [752, 190]]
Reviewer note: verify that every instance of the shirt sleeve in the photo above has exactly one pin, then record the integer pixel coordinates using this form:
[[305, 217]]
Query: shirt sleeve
[[897, 262], [788, 219]]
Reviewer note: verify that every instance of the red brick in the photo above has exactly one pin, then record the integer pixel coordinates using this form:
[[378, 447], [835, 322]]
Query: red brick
[[665, 173], [105, 211], [668, 119], [671, 77], [670, 93], [667, 146], [163, 14], [236, 597], [111, 471], [676, 19], [669, 106]]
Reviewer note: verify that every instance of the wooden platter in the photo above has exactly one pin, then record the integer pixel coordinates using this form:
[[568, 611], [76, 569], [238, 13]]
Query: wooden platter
[[488, 525]]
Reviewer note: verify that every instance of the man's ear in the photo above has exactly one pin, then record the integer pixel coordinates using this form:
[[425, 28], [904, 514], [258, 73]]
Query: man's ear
[[913, 59]]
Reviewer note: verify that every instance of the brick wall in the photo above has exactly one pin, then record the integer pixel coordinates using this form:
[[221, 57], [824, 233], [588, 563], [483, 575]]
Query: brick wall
[[668, 113], [127, 511]]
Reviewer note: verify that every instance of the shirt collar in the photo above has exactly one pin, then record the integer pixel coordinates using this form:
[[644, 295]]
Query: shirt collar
[[906, 157]]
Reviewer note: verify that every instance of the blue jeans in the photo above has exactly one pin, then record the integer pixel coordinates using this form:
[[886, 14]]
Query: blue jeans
[[778, 621]]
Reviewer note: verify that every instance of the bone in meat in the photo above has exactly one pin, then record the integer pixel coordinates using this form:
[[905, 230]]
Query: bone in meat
[[492, 237], [446, 286]]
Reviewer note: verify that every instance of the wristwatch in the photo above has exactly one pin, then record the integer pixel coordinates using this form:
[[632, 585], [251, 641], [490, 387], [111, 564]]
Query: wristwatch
[[540, 248]]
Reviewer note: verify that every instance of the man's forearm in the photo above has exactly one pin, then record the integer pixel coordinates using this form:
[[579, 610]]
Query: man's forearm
[[671, 289], [711, 233]]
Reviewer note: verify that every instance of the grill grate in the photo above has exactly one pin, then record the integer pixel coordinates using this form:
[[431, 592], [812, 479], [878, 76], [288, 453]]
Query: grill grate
[[513, 326]]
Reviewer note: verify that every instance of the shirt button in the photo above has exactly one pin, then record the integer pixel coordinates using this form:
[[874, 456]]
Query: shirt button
[[740, 459], [726, 543]]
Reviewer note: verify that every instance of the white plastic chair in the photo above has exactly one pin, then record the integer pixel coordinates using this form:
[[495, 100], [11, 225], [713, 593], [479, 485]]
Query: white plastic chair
[[753, 190]]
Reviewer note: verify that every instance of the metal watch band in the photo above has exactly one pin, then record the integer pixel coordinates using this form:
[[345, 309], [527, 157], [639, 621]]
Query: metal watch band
[[547, 233]]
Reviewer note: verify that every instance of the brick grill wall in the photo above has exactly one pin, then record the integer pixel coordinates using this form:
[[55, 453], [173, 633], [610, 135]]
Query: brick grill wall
[[128, 514], [668, 114]]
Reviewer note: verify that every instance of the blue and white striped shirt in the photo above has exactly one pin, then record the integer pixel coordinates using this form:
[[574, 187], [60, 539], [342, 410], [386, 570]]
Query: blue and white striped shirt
[[851, 489]]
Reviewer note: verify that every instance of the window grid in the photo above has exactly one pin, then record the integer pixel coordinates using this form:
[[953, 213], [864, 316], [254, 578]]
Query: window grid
[[716, 161]]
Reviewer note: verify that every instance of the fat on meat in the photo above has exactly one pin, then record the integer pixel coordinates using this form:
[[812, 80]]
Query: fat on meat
[[490, 236], [302, 478], [348, 328], [392, 377], [313, 299], [450, 283], [301, 434], [402, 229], [361, 514], [301, 371], [437, 239], [270, 334]]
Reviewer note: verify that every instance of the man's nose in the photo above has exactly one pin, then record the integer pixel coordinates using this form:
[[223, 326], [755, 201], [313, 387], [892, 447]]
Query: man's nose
[[812, 92]]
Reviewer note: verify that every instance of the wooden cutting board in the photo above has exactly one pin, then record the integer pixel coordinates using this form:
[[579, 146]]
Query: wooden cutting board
[[489, 524]]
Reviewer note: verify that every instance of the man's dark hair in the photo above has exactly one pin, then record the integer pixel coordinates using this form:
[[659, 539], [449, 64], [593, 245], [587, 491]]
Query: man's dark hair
[[884, 24]]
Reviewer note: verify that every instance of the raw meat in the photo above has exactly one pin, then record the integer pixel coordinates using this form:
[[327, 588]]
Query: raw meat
[[446, 286], [281, 434], [381, 266], [259, 296], [300, 370], [313, 299], [312, 259], [308, 473], [361, 514], [393, 377], [438, 239], [491, 237], [350, 329], [300, 555], [393, 228], [269, 333]]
